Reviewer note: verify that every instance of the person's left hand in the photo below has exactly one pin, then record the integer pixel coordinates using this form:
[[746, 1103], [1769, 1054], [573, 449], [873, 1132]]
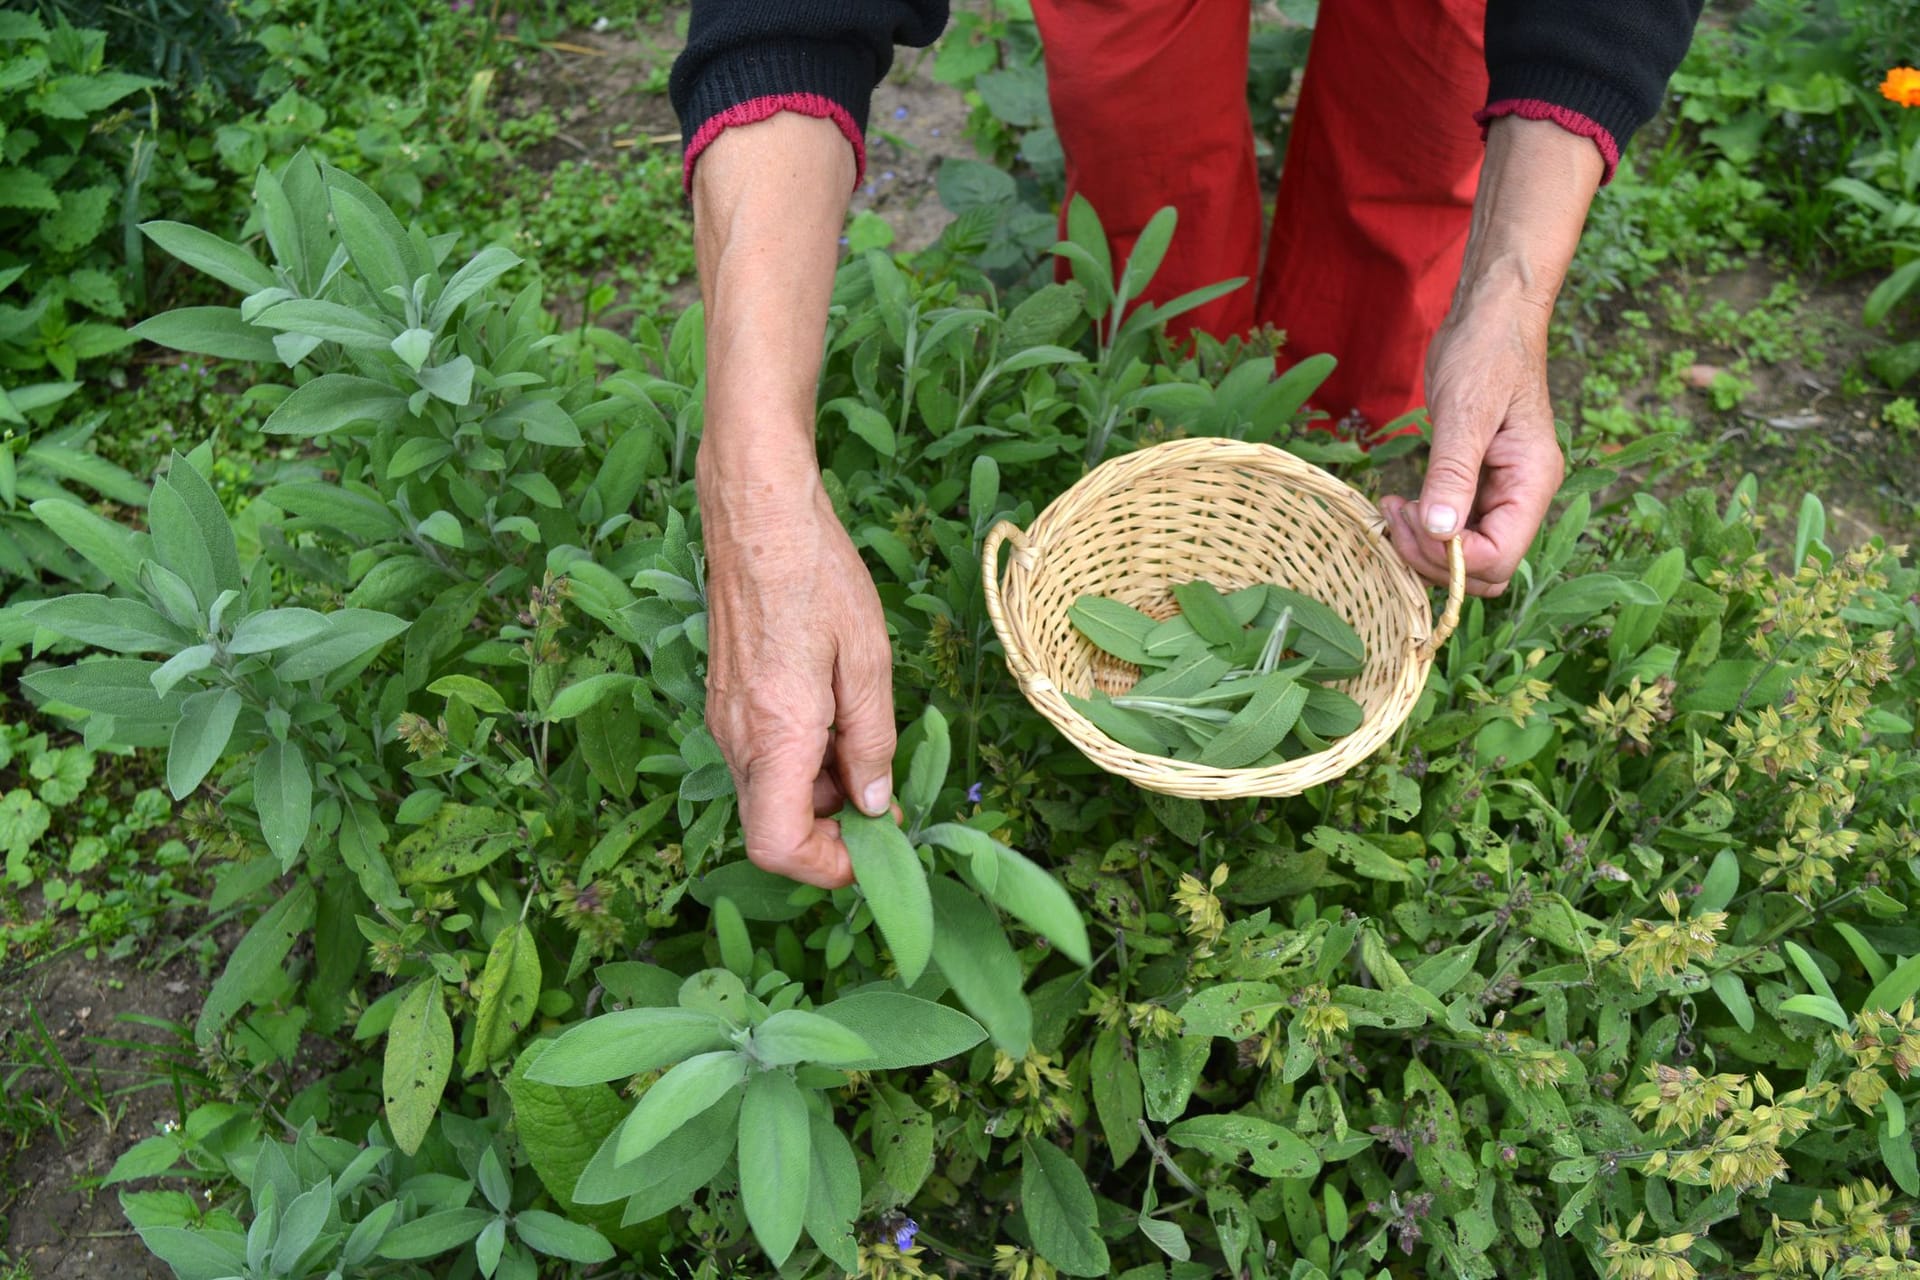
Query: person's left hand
[[1495, 464]]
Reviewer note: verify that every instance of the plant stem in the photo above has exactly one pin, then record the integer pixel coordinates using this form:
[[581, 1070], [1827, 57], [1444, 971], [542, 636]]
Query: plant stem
[[1807, 915], [1165, 1161]]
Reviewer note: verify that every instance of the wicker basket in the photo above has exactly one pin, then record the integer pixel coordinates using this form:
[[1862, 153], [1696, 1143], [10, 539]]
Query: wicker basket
[[1235, 514]]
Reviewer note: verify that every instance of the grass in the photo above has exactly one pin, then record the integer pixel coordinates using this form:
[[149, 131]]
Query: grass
[[618, 234]]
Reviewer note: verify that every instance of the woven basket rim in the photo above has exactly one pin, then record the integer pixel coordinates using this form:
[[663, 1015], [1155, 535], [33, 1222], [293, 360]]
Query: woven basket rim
[[1341, 503]]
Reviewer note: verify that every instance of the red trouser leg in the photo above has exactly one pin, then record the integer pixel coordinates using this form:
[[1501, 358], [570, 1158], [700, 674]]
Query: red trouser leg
[[1150, 100], [1376, 195]]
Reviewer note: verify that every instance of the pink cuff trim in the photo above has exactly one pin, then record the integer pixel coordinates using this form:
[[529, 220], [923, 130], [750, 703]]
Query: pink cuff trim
[[754, 110], [1572, 121]]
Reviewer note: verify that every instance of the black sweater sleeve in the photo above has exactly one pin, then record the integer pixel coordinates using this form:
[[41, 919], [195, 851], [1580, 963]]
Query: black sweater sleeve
[[1596, 67], [1607, 62], [741, 52]]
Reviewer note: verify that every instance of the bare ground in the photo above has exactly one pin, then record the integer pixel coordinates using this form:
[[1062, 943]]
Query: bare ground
[[1796, 430], [114, 1092], [606, 90]]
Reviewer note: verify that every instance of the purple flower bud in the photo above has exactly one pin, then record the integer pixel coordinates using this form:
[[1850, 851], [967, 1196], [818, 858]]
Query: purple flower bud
[[903, 1238], [973, 794]]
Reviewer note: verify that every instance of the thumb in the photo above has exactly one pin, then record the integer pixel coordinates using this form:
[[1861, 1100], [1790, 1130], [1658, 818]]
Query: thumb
[[863, 730], [1461, 433]]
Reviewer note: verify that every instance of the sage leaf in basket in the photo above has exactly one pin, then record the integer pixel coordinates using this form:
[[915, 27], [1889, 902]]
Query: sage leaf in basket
[[1113, 627], [1170, 638], [1246, 603], [1235, 680], [1310, 742], [1197, 671], [1259, 727], [1330, 713], [1330, 669], [1130, 729], [1317, 626], [1207, 610]]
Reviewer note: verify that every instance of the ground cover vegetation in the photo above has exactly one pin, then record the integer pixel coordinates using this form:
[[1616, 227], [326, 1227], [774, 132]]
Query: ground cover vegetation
[[355, 638]]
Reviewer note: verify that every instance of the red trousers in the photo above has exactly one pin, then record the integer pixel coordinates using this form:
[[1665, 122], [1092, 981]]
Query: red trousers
[[1370, 226]]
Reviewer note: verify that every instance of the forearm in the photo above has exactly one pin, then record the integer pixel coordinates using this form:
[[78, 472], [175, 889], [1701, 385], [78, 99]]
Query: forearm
[[1535, 189], [769, 201]]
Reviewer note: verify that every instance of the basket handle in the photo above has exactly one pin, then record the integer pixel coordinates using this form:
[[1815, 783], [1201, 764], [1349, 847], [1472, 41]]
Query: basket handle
[[1456, 594], [1023, 550]]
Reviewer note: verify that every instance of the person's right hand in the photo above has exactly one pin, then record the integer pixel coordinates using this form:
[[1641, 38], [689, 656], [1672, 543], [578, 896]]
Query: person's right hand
[[799, 668]]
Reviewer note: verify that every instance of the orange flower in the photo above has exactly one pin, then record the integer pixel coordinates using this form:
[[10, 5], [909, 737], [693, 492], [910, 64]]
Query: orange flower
[[1902, 85]]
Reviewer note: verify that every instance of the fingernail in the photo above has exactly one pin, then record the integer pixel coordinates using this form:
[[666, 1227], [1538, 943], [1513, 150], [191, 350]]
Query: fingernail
[[879, 791], [1441, 520]]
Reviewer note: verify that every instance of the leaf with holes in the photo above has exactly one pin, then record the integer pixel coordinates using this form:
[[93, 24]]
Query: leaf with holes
[[509, 988], [419, 1060]]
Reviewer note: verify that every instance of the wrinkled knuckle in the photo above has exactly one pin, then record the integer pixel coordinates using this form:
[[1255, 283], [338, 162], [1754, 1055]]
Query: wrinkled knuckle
[[864, 646], [876, 749], [1451, 472], [767, 749], [866, 724], [865, 708]]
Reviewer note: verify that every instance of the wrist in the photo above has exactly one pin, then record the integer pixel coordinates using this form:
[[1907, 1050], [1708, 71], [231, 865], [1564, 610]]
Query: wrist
[[1528, 213], [1508, 284], [755, 464]]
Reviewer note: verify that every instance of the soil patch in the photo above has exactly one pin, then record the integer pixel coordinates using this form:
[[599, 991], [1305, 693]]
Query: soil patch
[[52, 1220], [1795, 429], [606, 90], [916, 123]]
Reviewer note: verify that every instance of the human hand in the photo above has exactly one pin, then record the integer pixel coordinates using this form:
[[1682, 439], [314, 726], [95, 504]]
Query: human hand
[[799, 670], [1496, 463]]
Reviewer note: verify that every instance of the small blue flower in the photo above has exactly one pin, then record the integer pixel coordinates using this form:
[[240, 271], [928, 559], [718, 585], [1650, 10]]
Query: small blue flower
[[887, 176], [899, 113], [934, 132], [903, 1238], [973, 794]]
